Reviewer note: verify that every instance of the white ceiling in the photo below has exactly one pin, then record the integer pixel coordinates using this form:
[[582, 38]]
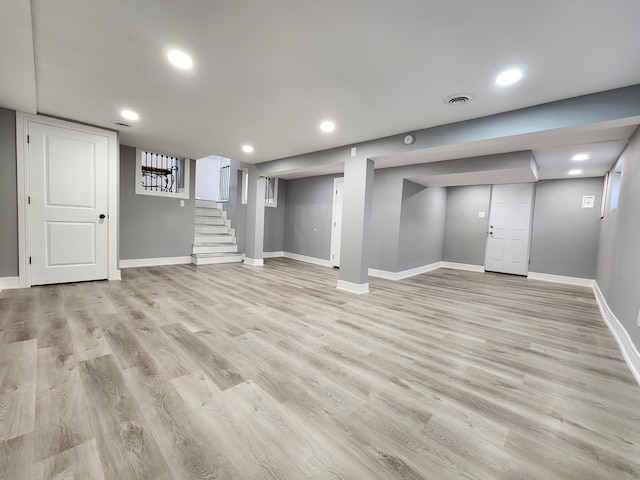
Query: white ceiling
[[267, 73]]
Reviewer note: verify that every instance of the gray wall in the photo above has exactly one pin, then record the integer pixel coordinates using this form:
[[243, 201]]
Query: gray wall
[[150, 226], [618, 267], [274, 218], [407, 220], [465, 234], [422, 221], [8, 195], [308, 210], [565, 236], [385, 220]]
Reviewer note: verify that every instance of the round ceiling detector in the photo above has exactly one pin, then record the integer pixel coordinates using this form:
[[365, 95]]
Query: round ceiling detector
[[458, 99]]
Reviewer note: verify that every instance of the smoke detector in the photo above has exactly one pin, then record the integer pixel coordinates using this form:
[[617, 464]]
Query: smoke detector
[[458, 99]]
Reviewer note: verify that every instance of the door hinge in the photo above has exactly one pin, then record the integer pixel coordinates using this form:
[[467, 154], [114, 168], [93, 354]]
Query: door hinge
[[29, 199], [28, 139], [29, 260]]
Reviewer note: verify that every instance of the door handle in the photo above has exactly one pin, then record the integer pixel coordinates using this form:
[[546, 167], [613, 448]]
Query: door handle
[[490, 232], [102, 216]]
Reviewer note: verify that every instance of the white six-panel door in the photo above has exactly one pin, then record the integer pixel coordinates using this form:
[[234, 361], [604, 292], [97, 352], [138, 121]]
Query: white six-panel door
[[509, 229], [68, 189]]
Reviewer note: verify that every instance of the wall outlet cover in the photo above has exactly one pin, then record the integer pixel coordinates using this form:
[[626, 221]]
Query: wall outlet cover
[[481, 214]]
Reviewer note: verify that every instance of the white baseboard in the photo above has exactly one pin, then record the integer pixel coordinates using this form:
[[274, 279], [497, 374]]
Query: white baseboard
[[405, 273], [463, 266], [628, 349], [356, 288], [272, 254], [253, 262], [303, 258], [154, 262], [545, 277], [7, 283]]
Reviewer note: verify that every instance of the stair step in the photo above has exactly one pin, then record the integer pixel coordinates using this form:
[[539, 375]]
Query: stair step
[[208, 212], [215, 238], [209, 258], [207, 204], [200, 220], [218, 229], [215, 248]]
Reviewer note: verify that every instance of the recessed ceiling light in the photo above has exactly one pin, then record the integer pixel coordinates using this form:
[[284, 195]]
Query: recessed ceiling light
[[129, 115], [327, 126], [580, 156], [509, 77], [180, 59], [247, 148], [575, 172]]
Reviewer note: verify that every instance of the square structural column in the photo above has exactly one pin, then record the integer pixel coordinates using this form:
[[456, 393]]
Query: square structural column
[[255, 219], [356, 225]]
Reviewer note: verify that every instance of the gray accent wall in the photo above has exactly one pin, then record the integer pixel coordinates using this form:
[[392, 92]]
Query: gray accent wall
[[8, 195], [385, 220], [150, 226], [274, 218], [618, 268], [308, 211], [422, 220], [465, 233], [565, 236]]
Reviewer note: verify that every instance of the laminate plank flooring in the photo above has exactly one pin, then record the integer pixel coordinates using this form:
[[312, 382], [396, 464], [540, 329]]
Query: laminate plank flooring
[[237, 372]]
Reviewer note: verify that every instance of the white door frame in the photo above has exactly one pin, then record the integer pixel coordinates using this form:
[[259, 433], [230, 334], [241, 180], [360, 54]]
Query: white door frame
[[24, 225], [333, 221]]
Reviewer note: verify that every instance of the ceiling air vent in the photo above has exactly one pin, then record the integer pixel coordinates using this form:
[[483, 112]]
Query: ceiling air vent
[[118, 123], [458, 99]]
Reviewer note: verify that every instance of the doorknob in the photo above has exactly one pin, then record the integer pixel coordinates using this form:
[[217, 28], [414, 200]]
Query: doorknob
[[491, 230], [102, 216]]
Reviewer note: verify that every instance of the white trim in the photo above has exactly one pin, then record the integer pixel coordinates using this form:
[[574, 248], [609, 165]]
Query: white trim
[[463, 266], [628, 349], [253, 262], [22, 158], [303, 258], [7, 283], [546, 277], [412, 272], [154, 262], [272, 254], [357, 288]]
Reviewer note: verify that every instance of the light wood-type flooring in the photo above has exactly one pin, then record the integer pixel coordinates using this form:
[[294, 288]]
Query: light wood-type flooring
[[238, 372]]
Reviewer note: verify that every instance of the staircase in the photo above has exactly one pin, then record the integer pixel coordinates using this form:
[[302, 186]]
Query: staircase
[[214, 240]]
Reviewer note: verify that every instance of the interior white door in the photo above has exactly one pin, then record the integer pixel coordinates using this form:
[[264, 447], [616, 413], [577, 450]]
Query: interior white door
[[336, 224], [68, 190], [509, 229]]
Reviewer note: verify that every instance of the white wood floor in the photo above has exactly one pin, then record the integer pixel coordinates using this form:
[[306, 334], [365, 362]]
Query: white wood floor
[[237, 372]]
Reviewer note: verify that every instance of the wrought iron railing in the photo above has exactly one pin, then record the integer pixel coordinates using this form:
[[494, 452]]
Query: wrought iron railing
[[162, 173], [225, 175]]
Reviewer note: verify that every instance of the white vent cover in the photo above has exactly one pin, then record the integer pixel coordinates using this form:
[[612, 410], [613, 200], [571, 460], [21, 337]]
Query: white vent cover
[[458, 99]]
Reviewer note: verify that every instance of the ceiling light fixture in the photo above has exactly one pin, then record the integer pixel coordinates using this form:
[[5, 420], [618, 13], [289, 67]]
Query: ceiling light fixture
[[575, 172], [580, 156], [509, 77], [247, 148], [129, 115], [180, 59], [327, 126]]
